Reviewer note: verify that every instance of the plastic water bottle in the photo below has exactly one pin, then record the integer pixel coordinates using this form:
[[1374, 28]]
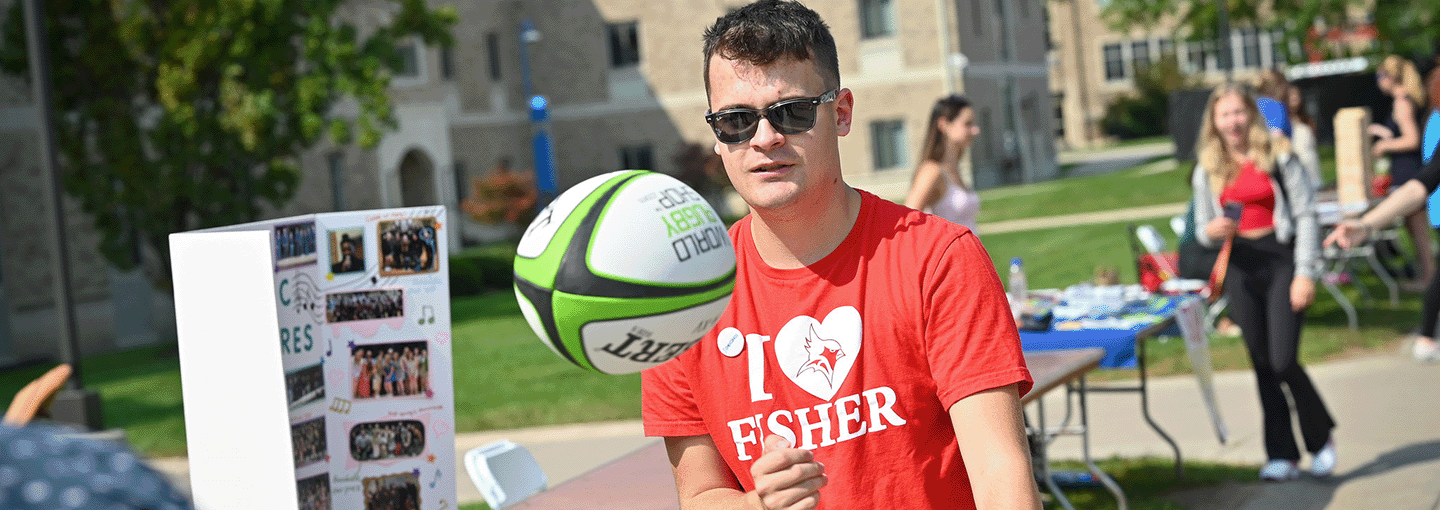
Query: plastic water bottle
[[1017, 287]]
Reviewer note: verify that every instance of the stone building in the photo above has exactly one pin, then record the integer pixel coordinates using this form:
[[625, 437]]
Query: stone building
[[1091, 63]]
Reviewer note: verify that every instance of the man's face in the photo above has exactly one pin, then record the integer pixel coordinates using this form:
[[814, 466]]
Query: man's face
[[773, 170]]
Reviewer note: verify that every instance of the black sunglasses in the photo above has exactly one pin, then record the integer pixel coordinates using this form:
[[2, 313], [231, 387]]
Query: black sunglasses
[[789, 117]]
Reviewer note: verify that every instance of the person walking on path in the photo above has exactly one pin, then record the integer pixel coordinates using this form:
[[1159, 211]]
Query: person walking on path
[[1272, 266]]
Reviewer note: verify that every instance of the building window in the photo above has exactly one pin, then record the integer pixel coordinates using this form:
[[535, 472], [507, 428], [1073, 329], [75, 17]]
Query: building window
[[461, 183], [492, 51], [1114, 62], [624, 44], [1212, 55], [1059, 115], [409, 61], [1139, 55], [637, 157], [1194, 57], [1250, 47], [887, 141], [447, 62], [975, 16], [877, 18], [1280, 48], [336, 164], [1167, 47], [1045, 20]]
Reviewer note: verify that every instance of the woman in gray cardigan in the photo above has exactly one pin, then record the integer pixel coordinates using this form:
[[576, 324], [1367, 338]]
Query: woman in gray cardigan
[[1270, 279]]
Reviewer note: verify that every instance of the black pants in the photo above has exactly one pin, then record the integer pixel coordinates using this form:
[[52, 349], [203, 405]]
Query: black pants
[[1430, 307], [1258, 287]]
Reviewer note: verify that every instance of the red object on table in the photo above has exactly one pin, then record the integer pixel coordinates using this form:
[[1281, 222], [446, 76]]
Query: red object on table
[[1155, 269], [1380, 185]]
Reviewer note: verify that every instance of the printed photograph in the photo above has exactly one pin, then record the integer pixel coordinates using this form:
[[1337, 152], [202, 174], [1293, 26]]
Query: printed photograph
[[305, 385], [314, 492], [399, 491], [364, 305], [399, 369], [294, 244], [407, 246], [308, 440], [385, 440], [347, 250]]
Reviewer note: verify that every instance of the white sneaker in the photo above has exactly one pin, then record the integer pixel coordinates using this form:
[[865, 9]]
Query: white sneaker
[[1279, 470], [1427, 352], [1324, 463]]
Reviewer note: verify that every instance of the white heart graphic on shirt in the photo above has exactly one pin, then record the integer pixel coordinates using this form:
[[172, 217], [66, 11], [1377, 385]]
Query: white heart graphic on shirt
[[817, 355]]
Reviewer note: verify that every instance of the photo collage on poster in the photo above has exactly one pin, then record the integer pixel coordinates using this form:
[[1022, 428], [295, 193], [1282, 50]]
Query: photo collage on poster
[[368, 370]]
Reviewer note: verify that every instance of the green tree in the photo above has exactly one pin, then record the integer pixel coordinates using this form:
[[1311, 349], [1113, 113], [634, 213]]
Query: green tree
[[1406, 27], [1147, 112], [173, 116]]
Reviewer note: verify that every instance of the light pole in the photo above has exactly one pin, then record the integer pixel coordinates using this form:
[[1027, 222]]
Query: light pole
[[541, 144], [74, 404]]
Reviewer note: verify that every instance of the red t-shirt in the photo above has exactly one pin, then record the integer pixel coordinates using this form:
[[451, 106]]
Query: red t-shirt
[[857, 357], [1253, 191]]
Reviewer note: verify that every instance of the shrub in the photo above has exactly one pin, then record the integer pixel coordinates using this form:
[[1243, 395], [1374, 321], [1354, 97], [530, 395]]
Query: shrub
[[1147, 112], [472, 274]]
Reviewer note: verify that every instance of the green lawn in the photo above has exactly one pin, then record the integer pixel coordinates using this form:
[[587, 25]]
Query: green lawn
[[1163, 181], [141, 394]]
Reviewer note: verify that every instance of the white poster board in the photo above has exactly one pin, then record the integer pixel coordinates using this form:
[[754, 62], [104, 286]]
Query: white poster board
[[1190, 316], [356, 310]]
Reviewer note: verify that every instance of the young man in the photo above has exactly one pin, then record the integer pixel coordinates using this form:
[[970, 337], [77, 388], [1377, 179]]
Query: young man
[[866, 346]]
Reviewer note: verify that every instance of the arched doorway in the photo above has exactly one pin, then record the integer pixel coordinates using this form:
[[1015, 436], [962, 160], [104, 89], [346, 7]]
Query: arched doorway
[[417, 180]]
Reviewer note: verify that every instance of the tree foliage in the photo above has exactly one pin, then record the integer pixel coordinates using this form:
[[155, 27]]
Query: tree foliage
[[1147, 112], [1406, 27], [173, 116]]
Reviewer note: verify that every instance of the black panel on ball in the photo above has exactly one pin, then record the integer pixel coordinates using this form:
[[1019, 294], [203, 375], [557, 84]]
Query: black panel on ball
[[574, 276], [539, 297]]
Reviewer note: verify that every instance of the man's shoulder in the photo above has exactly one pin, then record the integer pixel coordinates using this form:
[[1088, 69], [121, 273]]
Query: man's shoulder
[[897, 223]]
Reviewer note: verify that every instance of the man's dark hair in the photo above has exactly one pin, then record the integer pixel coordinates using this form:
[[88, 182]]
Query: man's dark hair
[[769, 30]]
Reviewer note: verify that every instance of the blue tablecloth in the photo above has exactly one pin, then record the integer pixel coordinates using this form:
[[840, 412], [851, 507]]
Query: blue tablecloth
[[1119, 344]]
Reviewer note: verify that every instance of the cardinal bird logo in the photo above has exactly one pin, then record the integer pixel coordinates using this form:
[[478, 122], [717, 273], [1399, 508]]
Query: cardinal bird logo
[[822, 354]]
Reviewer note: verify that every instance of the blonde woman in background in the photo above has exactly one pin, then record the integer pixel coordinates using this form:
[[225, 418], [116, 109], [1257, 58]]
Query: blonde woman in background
[[1400, 141], [1270, 280], [937, 187]]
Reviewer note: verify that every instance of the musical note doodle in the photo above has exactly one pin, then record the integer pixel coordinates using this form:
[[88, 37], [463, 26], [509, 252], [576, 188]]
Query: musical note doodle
[[427, 315], [307, 297], [438, 474], [340, 405]]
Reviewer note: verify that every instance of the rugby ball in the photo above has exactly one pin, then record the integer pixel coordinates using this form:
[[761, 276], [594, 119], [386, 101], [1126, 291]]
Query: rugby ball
[[624, 271]]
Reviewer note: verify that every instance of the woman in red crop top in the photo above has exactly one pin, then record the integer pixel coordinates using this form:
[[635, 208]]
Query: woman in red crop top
[[1273, 262]]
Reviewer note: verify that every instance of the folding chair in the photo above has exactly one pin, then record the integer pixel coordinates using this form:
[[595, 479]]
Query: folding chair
[[506, 473], [1150, 249]]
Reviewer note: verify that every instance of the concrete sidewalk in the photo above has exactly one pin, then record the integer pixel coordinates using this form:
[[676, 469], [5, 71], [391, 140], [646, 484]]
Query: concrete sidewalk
[[1388, 435], [1388, 438]]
